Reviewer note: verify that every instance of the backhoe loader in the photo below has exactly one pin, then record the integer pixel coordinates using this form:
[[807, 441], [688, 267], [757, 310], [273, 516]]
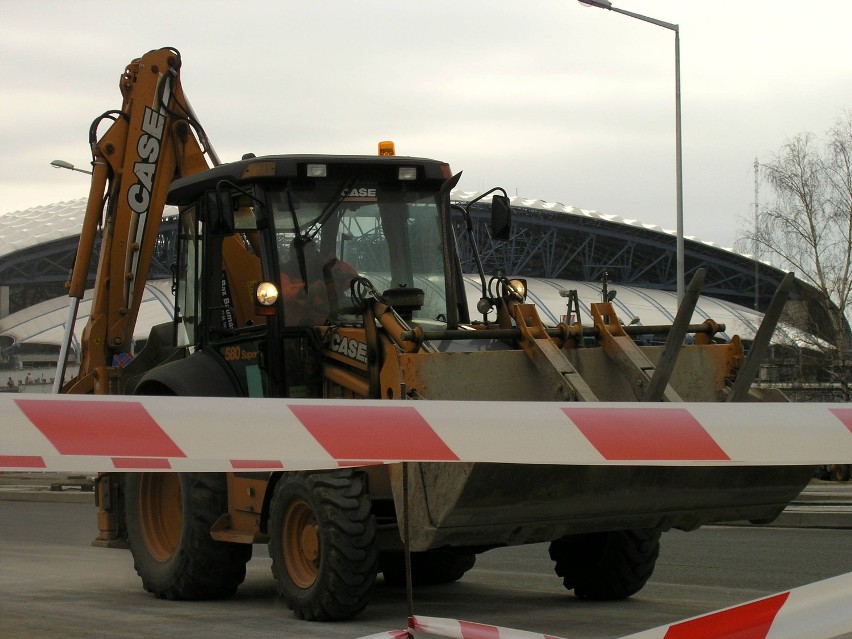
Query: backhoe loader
[[323, 276]]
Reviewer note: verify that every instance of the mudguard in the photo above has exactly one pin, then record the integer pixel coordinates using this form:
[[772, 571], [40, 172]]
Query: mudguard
[[202, 374]]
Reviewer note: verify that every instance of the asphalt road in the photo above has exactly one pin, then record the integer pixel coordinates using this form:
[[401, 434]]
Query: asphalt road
[[54, 584]]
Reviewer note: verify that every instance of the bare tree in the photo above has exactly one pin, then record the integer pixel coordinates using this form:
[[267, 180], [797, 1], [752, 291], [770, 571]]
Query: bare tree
[[806, 227]]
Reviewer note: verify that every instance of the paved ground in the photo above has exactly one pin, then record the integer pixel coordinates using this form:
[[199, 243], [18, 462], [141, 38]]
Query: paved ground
[[54, 585]]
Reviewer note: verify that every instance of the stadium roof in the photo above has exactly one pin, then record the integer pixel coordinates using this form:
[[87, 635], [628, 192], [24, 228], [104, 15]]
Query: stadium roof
[[550, 241], [558, 207], [23, 229], [44, 322], [28, 228]]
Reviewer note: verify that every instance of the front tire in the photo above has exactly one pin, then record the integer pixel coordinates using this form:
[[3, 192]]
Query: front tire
[[169, 517], [322, 541], [606, 566]]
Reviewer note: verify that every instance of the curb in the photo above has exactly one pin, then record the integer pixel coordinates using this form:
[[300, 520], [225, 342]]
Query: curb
[[47, 487], [56, 496], [809, 517]]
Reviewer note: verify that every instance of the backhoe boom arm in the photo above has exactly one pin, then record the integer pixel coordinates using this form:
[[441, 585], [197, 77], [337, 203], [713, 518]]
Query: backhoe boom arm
[[153, 140]]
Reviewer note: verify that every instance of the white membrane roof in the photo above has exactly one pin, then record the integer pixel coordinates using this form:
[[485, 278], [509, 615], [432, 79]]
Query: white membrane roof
[[42, 224], [44, 323]]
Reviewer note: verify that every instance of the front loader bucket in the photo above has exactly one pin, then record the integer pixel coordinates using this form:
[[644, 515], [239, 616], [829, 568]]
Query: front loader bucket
[[481, 505], [476, 505]]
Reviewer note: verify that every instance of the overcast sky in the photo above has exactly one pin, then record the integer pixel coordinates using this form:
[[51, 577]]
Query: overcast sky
[[547, 98]]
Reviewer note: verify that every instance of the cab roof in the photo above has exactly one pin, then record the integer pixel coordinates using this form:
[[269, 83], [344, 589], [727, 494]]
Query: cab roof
[[282, 167]]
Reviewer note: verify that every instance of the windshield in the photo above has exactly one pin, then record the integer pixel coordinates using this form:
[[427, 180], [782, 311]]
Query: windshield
[[330, 232]]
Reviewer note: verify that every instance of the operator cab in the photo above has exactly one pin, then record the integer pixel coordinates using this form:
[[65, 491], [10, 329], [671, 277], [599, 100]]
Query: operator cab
[[286, 244]]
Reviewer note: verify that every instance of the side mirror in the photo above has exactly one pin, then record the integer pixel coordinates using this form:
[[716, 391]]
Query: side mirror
[[501, 218], [219, 205]]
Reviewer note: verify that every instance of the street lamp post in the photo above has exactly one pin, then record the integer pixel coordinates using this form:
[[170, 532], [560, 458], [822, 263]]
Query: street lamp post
[[62, 164], [72, 306], [606, 4]]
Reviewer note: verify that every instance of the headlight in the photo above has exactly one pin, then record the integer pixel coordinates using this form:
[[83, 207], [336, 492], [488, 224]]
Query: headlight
[[517, 289], [266, 294]]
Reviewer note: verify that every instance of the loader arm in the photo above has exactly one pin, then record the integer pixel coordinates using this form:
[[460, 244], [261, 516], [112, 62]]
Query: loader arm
[[153, 140]]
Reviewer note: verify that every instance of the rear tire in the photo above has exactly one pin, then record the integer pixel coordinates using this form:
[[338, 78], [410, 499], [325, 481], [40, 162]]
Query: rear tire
[[169, 517], [428, 568], [322, 541], [607, 565]]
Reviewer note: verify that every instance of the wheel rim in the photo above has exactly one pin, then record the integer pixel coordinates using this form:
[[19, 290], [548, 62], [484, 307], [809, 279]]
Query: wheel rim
[[160, 513], [300, 544]]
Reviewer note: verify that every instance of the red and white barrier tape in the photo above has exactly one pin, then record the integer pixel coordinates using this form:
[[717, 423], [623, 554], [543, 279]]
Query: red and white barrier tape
[[455, 629], [89, 433], [420, 626], [816, 611]]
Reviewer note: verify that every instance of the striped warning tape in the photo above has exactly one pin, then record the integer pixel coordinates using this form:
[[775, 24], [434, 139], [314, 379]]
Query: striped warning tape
[[455, 629], [420, 626], [72, 433], [217, 434], [816, 611]]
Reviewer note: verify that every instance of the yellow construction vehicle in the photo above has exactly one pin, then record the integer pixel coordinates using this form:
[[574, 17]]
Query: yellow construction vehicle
[[318, 276]]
